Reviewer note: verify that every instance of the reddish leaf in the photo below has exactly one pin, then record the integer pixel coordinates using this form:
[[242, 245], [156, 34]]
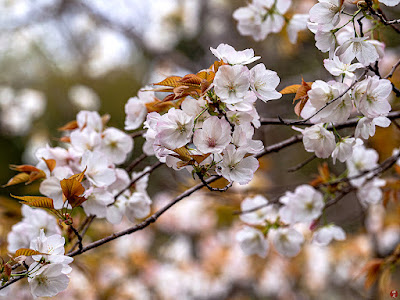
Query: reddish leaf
[[50, 163], [69, 126], [17, 179], [36, 201], [26, 252], [291, 89]]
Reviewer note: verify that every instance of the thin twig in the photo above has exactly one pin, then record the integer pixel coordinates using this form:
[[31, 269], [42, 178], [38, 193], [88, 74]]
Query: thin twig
[[150, 170], [210, 187], [393, 70], [83, 228], [138, 133], [302, 164], [134, 163], [78, 236]]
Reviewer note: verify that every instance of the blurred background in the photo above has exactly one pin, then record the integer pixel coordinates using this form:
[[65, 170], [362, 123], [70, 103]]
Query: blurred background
[[61, 56]]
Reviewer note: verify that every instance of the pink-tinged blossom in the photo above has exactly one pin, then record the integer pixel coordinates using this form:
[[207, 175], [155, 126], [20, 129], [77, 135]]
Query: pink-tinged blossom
[[304, 205], [90, 120], [359, 48], [322, 93], [236, 167], [326, 11], [256, 217], [263, 83], [249, 21], [239, 117], [297, 23], [319, 140], [116, 145], [337, 68], [174, 129], [252, 241], [231, 83], [287, 241], [366, 126], [324, 235], [371, 96], [48, 281], [344, 149], [371, 192], [98, 169], [135, 109], [214, 136], [229, 55], [362, 160]]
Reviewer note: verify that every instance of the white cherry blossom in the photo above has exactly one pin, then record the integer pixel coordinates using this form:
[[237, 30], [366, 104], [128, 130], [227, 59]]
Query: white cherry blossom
[[360, 48], [135, 108], [297, 23], [344, 149], [90, 120], [252, 241], [232, 83], [324, 235], [229, 55], [48, 281], [366, 126], [236, 167], [174, 129], [390, 2], [264, 83], [371, 192], [287, 241], [326, 11], [98, 169], [85, 139], [371, 96], [116, 145], [324, 37], [51, 247], [259, 216], [304, 205], [362, 160], [97, 201], [337, 68], [319, 140]]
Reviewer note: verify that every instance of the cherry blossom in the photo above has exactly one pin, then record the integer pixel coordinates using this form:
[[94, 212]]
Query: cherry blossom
[[324, 235], [336, 67], [360, 48], [116, 145], [319, 140], [48, 281], [264, 83], [344, 149], [174, 129], [214, 136], [252, 241], [304, 205], [371, 192], [362, 160], [287, 241], [366, 126], [90, 120], [232, 83], [135, 108], [236, 167], [229, 55], [259, 216], [297, 23], [371, 96], [326, 11]]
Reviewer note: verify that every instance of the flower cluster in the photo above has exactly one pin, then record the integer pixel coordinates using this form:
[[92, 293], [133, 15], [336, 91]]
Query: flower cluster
[[260, 18], [211, 130], [96, 150], [283, 225]]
